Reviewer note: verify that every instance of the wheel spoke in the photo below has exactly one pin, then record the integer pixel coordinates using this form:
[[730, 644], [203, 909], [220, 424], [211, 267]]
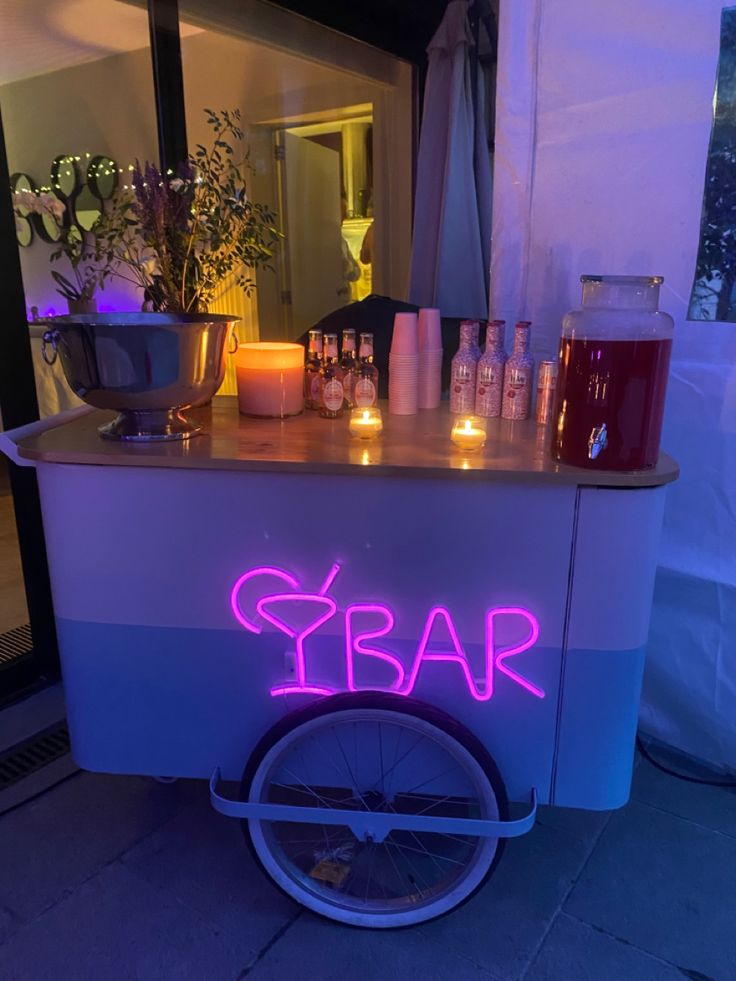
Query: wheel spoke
[[402, 758], [424, 851], [352, 775], [437, 776], [326, 801]]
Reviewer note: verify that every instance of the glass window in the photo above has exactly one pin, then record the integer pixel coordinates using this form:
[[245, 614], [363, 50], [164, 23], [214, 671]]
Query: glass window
[[77, 100], [328, 133], [714, 291]]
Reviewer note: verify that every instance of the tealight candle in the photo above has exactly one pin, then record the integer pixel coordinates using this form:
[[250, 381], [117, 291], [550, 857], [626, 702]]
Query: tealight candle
[[270, 378], [469, 433], [366, 422]]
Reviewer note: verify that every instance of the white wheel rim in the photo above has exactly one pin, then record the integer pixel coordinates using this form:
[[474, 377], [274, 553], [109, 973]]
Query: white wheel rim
[[298, 857]]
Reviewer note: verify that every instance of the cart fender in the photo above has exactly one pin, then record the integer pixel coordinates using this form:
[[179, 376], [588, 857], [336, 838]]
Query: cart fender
[[375, 825]]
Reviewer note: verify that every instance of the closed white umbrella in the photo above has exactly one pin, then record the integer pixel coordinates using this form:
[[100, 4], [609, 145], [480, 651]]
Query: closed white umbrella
[[452, 212]]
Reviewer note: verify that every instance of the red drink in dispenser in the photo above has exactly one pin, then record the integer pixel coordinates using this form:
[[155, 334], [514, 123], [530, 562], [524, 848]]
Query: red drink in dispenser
[[614, 363]]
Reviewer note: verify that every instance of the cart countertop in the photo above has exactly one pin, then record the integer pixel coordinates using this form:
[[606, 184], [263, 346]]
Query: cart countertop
[[410, 446]]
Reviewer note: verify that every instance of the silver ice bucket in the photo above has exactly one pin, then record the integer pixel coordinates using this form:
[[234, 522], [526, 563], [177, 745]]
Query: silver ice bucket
[[148, 367]]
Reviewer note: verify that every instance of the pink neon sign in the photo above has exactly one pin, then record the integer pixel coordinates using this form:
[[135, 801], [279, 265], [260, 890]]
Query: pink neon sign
[[357, 640]]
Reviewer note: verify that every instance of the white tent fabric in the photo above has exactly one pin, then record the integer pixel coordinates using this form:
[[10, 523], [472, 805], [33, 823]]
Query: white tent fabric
[[602, 128], [452, 214]]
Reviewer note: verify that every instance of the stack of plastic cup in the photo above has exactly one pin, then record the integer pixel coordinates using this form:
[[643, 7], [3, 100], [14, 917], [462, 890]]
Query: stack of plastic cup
[[403, 366], [430, 358]]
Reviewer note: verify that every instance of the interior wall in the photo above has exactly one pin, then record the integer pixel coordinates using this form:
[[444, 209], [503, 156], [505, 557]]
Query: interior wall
[[100, 107], [602, 129]]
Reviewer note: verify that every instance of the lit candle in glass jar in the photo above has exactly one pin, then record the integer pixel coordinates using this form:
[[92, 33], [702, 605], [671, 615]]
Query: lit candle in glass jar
[[270, 378], [366, 422], [469, 433]]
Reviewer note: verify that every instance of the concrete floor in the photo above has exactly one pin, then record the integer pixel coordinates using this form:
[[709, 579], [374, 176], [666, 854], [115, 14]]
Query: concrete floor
[[124, 879]]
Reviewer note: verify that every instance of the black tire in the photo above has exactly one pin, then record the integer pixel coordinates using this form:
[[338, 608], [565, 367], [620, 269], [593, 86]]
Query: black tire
[[395, 703]]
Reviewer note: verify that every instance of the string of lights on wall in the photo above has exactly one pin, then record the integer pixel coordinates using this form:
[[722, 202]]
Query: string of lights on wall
[[81, 184]]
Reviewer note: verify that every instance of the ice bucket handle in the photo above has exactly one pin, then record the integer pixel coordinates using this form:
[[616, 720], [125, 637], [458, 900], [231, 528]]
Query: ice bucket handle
[[50, 338], [9, 440]]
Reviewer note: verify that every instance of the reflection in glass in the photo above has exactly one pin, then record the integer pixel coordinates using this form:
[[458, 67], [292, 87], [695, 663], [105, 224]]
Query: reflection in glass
[[102, 177], [87, 209], [64, 175], [328, 123]]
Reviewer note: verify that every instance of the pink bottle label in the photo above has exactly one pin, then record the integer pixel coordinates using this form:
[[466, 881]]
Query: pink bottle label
[[462, 388], [315, 387], [365, 393], [489, 390], [517, 392], [332, 395]]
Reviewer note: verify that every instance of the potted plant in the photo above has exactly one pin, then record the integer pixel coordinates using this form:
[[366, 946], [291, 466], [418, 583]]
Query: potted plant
[[91, 263], [177, 236]]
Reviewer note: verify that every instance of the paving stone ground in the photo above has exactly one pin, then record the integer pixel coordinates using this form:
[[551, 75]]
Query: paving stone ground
[[125, 879]]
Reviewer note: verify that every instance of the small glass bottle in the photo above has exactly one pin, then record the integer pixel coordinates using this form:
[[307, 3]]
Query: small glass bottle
[[518, 376], [365, 390], [349, 364], [312, 366], [489, 382], [463, 372], [332, 394]]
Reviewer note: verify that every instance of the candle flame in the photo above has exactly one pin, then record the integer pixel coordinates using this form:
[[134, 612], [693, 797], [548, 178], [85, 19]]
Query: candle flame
[[468, 425]]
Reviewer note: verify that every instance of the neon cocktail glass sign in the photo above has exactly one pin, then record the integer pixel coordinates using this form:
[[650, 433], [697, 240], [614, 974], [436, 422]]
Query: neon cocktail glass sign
[[272, 608]]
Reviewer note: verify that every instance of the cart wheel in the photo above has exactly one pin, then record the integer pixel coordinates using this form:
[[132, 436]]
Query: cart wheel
[[378, 752]]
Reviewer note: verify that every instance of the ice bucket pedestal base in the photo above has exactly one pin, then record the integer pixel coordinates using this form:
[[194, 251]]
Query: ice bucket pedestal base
[[150, 426]]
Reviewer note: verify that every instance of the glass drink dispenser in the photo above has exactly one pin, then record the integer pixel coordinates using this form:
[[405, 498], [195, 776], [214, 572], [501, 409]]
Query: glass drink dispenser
[[614, 362]]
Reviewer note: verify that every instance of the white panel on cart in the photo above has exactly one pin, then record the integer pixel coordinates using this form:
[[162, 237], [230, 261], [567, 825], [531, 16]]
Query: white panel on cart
[[613, 580], [117, 535]]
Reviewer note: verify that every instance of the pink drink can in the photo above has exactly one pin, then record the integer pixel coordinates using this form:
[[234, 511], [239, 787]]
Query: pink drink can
[[546, 385]]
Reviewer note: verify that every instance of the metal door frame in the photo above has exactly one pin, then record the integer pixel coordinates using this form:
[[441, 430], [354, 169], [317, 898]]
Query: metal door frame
[[18, 399]]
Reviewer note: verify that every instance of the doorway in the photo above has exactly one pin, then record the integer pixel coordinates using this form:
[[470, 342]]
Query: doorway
[[324, 176]]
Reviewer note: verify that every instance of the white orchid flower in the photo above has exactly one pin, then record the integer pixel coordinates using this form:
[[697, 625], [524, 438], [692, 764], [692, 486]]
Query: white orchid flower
[[52, 205], [150, 266]]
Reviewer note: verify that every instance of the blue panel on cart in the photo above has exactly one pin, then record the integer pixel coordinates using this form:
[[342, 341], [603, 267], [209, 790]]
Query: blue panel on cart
[[178, 702], [598, 722]]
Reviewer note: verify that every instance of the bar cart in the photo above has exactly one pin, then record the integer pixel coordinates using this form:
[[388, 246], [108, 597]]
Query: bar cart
[[379, 643]]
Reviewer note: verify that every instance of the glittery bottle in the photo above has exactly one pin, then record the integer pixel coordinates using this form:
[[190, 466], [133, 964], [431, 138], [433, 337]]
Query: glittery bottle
[[518, 376], [474, 326], [489, 380], [463, 372]]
